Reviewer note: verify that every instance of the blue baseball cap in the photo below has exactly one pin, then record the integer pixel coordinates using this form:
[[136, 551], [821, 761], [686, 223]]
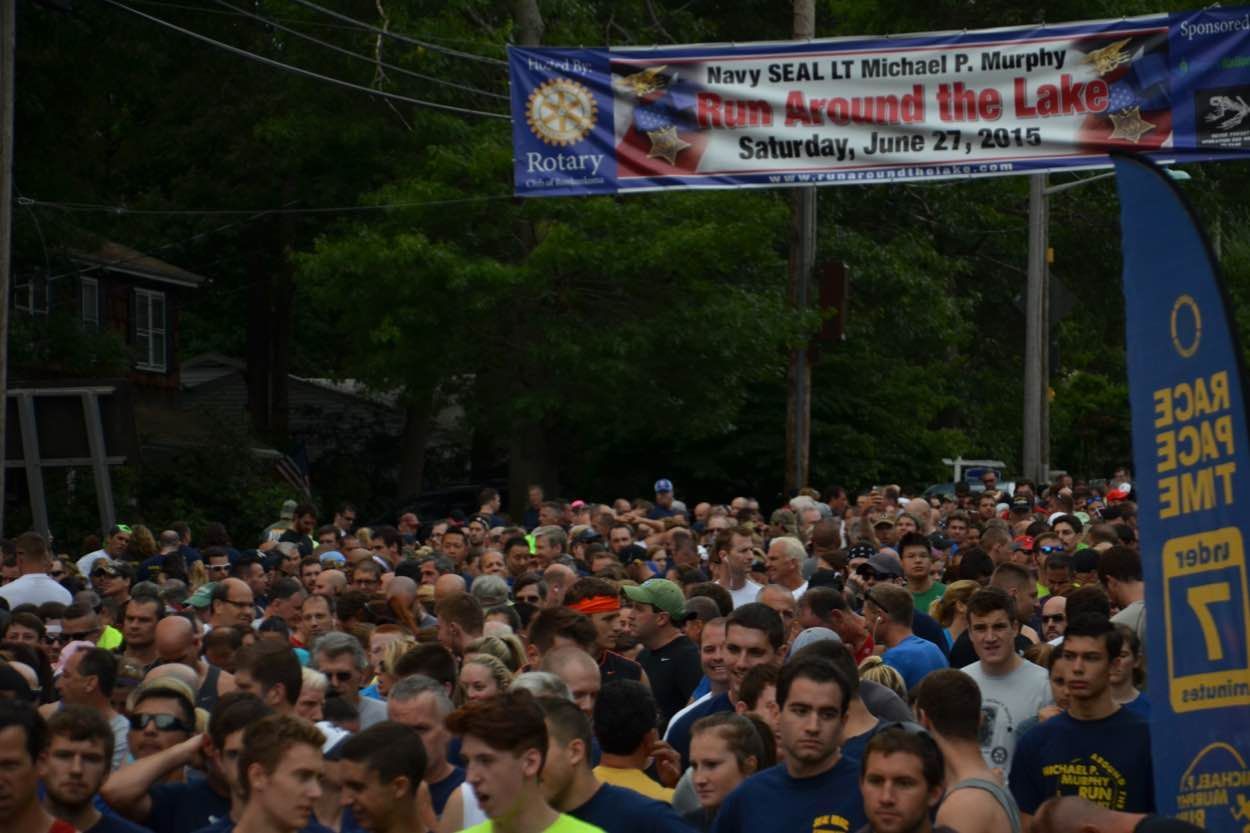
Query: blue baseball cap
[[663, 485]]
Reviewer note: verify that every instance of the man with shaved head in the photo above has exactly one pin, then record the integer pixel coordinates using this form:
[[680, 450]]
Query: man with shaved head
[[177, 641], [580, 673], [447, 585], [233, 604], [330, 583], [559, 578]]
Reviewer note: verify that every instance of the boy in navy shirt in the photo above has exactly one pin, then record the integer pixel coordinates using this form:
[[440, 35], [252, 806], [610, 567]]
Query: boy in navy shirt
[[817, 788], [1096, 750]]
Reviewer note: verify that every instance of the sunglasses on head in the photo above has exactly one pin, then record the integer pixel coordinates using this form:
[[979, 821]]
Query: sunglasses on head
[[164, 723]]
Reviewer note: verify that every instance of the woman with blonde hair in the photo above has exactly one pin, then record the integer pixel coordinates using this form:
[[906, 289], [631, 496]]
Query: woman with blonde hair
[[505, 648], [951, 610], [390, 655], [483, 676], [875, 670]]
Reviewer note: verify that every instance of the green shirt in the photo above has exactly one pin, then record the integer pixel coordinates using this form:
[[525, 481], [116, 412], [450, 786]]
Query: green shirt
[[923, 600], [564, 824]]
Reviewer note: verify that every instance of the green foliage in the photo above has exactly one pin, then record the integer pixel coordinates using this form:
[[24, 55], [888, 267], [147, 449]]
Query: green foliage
[[57, 344], [219, 481], [640, 333]]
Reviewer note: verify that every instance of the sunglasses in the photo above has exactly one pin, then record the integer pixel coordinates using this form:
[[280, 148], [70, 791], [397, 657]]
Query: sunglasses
[[339, 676], [58, 574], [1051, 548], [1054, 617], [164, 723], [66, 638]]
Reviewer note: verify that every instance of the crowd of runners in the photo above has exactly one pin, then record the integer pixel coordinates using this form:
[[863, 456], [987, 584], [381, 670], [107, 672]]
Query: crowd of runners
[[971, 662]]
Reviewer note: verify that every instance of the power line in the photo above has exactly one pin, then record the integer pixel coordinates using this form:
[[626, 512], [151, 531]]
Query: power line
[[357, 55], [303, 22], [258, 212], [433, 47], [305, 72], [140, 256]]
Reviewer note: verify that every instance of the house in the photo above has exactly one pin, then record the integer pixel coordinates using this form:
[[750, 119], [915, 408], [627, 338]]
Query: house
[[87, 345], [323, 413], [113, 288]]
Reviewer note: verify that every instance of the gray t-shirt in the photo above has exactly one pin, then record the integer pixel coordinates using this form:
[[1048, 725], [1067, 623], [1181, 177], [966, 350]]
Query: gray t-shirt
[[371, 711], [1134, 615], [1007, 701], [120, 725]]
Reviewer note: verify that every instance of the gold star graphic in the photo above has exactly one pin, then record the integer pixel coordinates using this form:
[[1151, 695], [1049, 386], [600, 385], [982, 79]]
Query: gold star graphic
[[1130, 125], [666, 144]]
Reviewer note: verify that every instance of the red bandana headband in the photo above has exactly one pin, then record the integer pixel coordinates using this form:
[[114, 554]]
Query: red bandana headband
[[597, 604]]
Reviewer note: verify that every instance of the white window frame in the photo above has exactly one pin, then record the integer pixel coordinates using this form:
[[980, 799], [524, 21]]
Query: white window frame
[[26, 296], [145, 337], [90, 312]]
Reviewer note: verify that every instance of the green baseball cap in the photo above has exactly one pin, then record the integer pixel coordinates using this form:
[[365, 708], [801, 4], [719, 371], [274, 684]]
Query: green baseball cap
[[203, 596], [662, 594]]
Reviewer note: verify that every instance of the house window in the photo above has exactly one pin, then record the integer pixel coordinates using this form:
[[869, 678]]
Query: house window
[[91, 303], [31, 297], [150, 330]]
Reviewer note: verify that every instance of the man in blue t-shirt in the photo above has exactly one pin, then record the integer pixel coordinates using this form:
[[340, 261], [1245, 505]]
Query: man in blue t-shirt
[[888, 613], [817, 788], [1097, 749], [570, 786], [754, 635]]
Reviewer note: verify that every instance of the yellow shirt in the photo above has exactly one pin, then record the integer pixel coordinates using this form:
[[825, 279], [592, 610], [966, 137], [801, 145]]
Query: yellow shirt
[[634, 779], [564, 824], [110, 639]]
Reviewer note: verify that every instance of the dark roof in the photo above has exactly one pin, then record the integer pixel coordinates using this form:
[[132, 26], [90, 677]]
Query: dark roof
[[118, 258]]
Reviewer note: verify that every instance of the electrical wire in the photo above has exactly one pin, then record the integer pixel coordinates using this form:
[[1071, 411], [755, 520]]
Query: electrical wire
[[303, 22], [357, 55], [433, 47], [258, 212], [141, 256], [305, 72]]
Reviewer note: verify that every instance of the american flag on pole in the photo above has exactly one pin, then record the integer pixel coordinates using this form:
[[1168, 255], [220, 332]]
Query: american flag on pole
[[293, 468]]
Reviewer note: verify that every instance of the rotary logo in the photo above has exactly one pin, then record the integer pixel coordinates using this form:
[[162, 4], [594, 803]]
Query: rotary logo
[[561, 112]]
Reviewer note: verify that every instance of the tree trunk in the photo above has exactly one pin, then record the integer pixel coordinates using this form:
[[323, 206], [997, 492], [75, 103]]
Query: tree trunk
[[259, 402], [529, 22], [283, 323], [418, 421], [528, 456]]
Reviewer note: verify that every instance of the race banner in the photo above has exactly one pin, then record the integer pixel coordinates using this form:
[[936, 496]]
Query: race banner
[[903, 109], [1192, 464]]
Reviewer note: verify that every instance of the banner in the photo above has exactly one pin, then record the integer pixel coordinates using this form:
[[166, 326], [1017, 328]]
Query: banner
[[899, 109], [1193, 478]]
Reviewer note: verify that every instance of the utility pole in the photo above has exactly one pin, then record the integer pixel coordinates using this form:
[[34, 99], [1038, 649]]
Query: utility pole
[[8, 61], [802, 264], [1036, 340]]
